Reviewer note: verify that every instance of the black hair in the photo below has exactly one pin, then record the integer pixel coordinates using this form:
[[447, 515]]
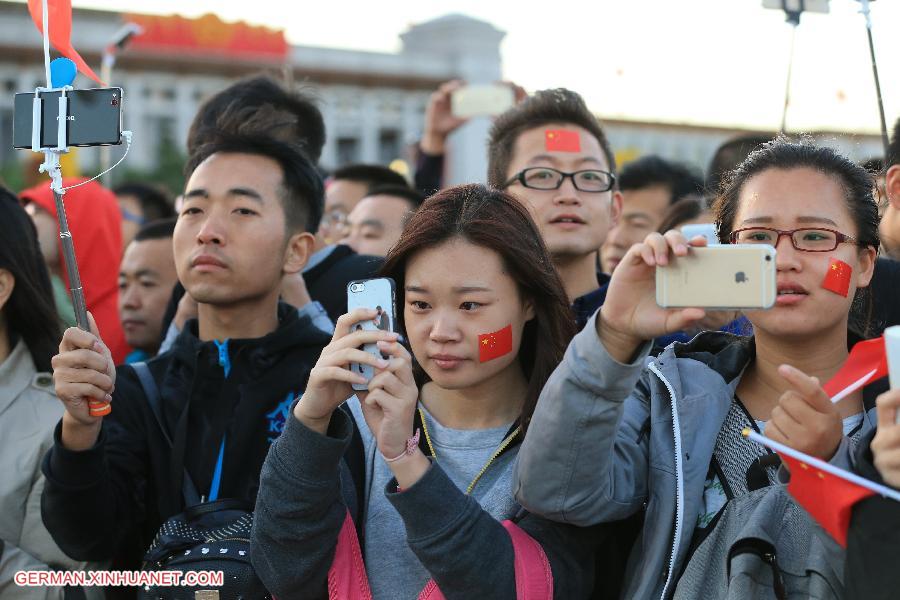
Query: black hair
[[858, 185], [371, 175], [729, 155], [155, 204], [30, 312], [302, 190], [544, 107], [160, 229], [648, 171], [689, 207], [893, 157], [413, 197], [291, 116]]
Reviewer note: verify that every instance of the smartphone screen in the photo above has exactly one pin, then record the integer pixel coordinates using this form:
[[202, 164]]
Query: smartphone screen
[[481, 100], [376, 294], [729, 276], [94, 118]]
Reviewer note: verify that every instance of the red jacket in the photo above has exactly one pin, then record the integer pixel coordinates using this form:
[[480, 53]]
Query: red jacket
[[96, 226]]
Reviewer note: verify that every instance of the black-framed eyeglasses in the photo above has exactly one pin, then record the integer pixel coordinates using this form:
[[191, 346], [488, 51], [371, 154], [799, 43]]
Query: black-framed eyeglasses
[[805, 239], [547, 178]]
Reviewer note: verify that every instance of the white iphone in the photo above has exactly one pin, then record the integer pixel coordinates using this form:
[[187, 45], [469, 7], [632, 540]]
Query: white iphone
[[376, 294], [728, 276], [481, 100]]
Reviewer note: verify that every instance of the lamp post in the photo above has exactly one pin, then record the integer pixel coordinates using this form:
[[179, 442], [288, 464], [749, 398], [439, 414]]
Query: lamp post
[[117, 43]]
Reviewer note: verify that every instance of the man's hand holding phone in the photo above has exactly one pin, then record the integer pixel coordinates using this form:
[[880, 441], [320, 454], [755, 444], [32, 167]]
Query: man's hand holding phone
[[83, 371], [330, 380], [630, 314]]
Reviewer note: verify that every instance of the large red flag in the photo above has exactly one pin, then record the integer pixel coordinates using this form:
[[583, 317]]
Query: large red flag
[[866, 363], [826, 497], [59, 17]]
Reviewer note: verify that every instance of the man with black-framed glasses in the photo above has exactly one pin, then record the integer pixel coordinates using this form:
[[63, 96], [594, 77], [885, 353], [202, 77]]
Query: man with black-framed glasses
[[551, 152]]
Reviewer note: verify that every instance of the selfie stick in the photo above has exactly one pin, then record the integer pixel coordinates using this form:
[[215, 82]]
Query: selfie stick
[[892, 350], [51, 167], [884, 133]]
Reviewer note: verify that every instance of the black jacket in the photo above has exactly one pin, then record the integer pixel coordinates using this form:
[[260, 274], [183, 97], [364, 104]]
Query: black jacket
[[327, 281], [108, 502], [873, 539]]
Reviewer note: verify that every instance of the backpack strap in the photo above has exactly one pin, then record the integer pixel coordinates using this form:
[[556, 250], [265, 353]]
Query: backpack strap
[[347, 579], [154, 399], [355, 458], [534, 579]]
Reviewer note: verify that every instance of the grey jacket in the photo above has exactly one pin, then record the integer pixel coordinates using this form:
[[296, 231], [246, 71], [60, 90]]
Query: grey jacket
[[29, 410], [306, 489], [608, 439]]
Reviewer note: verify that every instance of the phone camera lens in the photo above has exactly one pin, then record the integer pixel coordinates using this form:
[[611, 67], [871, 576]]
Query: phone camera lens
[[357, 287], [768, 258]]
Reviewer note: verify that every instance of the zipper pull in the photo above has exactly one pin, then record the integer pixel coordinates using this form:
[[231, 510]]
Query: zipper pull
[[224, 360]]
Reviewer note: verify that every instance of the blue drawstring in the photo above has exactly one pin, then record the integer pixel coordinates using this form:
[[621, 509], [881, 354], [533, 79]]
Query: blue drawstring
[[225, 363], [224, 360]]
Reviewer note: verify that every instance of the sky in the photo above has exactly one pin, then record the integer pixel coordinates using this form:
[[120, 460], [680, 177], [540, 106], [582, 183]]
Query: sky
[[711, 62]]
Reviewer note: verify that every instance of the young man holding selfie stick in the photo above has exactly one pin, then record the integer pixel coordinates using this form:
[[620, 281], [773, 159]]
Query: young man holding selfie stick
[[226, 387]]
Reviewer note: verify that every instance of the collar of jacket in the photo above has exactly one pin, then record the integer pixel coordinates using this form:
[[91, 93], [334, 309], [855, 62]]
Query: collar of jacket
[[293, 332], [725, 353], [17, 373]]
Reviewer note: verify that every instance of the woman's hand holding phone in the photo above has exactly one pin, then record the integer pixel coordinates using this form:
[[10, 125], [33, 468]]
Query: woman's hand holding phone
[[630, 315], [389, 408], [330, 379]]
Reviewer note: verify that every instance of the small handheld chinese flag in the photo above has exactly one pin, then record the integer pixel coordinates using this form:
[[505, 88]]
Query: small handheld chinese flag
[[494, 345], [562, 140], [826, 492], [59, 18], [826, 497], [866, 363], [837, 279]]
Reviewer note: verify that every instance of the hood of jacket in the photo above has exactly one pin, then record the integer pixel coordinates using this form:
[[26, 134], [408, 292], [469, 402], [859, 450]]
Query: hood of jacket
[[96, 226]]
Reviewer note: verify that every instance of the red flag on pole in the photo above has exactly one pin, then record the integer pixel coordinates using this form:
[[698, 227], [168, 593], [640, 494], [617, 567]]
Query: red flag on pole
[[826, 497], [826, 492], [494, 345], [59, 15], [866, 363]]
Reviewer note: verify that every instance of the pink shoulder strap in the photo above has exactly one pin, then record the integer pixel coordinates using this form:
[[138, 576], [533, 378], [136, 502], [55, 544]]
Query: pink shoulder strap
[[534, 579], [347, 579]]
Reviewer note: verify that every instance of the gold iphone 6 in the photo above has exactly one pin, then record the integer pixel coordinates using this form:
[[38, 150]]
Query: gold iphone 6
[[730, 276]]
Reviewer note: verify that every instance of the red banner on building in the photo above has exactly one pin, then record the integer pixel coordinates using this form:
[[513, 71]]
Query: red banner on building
[[208, 35]]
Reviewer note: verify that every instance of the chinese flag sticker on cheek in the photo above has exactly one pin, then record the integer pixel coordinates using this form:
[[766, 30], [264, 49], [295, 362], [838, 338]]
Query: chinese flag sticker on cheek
[[494, 345], [562, 140], [837, 279]]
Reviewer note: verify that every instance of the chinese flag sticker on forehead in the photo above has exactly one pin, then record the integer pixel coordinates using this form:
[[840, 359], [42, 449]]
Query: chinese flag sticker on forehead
[[837, 279], [562, 140], [494, 345]]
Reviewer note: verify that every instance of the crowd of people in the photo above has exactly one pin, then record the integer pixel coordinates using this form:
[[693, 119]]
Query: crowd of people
[[602, 432]]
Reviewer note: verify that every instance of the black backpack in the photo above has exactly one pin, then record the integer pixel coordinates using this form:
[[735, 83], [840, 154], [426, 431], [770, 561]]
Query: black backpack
[[207, 536]]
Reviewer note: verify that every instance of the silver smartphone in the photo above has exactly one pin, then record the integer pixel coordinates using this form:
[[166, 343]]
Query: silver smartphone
[[376, 294], [729, 276]]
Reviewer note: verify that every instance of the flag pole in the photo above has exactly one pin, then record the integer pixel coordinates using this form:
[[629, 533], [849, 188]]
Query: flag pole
[[822, 465], [884, 132]]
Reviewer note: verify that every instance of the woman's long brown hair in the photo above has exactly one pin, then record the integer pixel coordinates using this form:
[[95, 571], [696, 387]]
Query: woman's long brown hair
[[496, 221]]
